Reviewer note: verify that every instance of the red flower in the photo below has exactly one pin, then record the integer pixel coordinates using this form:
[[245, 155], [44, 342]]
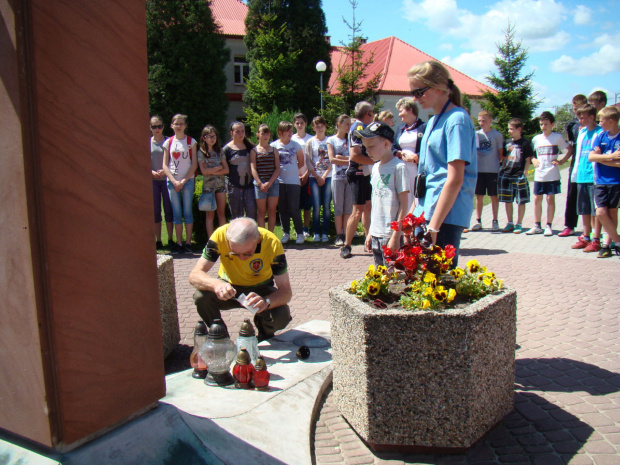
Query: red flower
[[410, 263], [395, 225], [450, 251], [419, 221], [408, 223]]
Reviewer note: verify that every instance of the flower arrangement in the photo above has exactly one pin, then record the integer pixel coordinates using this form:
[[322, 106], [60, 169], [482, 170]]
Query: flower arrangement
[[424, 270]]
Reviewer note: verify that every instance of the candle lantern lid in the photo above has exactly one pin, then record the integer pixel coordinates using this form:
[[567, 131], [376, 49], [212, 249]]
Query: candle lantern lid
[[247, 329], [260, 364], [243, 358], [217, 330], [201, 329]]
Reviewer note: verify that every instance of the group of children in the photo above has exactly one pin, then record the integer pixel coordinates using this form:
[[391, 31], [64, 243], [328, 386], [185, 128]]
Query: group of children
[[594, 179]]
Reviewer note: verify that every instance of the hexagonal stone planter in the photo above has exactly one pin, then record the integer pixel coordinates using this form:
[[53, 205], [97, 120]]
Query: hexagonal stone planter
[[420, 380]]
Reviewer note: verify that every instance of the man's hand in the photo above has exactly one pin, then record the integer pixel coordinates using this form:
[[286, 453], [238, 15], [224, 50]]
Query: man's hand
[[256, 301], [224, 291]]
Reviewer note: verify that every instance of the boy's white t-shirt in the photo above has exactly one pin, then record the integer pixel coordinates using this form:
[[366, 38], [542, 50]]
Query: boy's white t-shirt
[[302, 142], [547, 149], [180, 162], [387, 180], [289, 173]]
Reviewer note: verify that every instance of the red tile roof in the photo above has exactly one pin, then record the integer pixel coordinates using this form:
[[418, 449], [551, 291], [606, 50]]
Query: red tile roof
[[230, 15], [394, 58]]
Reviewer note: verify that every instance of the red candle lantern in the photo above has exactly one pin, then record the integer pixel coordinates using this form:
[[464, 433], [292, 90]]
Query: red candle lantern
[[261, 375], [243, 370]]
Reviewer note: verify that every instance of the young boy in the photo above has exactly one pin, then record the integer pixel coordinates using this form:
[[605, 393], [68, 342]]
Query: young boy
[[490, 153], [606, 154], [390, 189], [512, 183], [305, 197], [547, 147], [582, 175], [598, 99]]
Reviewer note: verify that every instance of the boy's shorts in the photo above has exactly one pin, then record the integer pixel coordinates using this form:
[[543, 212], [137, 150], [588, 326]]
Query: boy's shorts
[[511, 188], [607, 195], [585, 199], [547, 187], [274, 191], [360, 188], [305, 197], [486, 184]]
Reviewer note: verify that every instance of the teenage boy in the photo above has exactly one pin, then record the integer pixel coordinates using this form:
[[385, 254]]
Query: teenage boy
[[598, 99], [390, 189], [490, 153], [305, 197], [606, 155], [512, 182], [583, 177], [547, 147]]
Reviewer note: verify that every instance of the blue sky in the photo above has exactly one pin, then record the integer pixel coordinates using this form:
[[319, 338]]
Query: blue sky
[[573, 46]]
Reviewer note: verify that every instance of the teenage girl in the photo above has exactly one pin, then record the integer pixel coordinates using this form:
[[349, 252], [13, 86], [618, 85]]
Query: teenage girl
[[317, 162], [240, 185], [338, 151], [213, 167], [180, 166], [160, 190], [265, 165]]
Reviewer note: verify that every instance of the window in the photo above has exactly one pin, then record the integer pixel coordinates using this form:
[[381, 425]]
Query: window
[[242, 70]]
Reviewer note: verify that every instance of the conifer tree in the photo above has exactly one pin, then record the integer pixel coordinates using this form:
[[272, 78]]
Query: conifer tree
[[186, 59], [515, 96]]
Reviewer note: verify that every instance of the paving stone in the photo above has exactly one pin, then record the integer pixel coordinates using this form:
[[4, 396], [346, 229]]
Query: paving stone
[[327, 450], [599, 447]]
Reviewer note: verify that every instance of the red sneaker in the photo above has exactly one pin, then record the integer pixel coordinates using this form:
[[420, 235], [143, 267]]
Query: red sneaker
[[567, 232], [581, 243], [593, 246]]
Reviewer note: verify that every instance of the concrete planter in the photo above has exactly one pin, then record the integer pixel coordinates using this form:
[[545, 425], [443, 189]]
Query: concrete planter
[[170, 333], [419, 380]]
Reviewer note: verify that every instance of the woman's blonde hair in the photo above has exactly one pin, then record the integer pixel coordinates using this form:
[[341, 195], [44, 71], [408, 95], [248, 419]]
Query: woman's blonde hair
[[434, 74], [385, 114], [408, 104]]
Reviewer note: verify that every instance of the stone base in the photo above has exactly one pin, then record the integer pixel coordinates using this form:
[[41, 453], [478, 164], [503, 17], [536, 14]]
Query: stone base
[[171, 335], [423, 379]]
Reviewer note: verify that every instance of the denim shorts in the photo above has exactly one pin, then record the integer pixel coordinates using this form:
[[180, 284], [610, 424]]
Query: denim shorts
[[547, 187], [585, 199], [274, 191]]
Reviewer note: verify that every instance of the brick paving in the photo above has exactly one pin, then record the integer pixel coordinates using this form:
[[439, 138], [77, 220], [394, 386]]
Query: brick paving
[[567, 381]]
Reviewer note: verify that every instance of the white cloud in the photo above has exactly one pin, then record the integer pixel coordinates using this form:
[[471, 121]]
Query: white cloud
[[476, 64], [603, 61], [446, 46], [582, 15]]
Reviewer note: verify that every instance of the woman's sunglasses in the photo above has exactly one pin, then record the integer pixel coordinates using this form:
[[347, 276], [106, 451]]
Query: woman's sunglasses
[[417, 93], [157, 126]]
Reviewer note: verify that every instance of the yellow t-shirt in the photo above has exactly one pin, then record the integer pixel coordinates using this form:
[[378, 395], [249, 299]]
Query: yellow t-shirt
[[268, 259]]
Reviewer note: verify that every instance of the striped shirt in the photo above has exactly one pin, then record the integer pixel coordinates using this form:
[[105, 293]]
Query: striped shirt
[[265, 164]]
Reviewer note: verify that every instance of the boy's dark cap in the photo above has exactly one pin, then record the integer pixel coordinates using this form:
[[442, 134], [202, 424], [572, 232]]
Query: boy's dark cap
[[377, 129]]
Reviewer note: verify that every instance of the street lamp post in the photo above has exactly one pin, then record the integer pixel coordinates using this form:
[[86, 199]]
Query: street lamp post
[[321, 67]]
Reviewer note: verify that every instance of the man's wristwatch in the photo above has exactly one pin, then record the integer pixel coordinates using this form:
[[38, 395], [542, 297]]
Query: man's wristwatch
[[268, 302]]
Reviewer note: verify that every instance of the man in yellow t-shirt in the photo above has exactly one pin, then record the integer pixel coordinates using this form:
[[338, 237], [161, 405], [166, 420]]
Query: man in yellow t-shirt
[[252, 260]]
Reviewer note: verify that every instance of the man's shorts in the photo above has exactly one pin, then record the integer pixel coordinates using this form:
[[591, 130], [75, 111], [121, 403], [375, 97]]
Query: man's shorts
[[547, 187], [585, 199], [486, 184], [607, 195], [513, 188], [360, 188]]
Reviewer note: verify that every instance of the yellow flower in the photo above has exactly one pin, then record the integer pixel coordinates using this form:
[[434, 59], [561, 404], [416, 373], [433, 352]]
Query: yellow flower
[[430, 278], [425, 304], [440, 294], [385, 279], [377, 276], [457, 272], [500, 283], [487, 282], [354, 285], [395, 275], [428, 290], [473, 266], [451, 295], [371, 268], [415, 287], [381, 269], [373, 288]]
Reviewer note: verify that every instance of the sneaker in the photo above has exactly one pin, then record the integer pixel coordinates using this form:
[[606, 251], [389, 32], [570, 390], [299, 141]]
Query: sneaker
[[306, 232], [567, 232], [605, 252], [548, 231], [534, 230], [593, 246], [477, 226], [582, 242], [508, 228], [187, 248], [345, 252], [176, 248], [339, 240], [518, 229], [285, 238], [159, 245], [495, 225], [317, 238], [300, 239], [324, 238]]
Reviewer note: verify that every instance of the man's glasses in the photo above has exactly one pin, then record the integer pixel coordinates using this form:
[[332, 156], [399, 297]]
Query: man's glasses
[[417, 93], [157, 126]]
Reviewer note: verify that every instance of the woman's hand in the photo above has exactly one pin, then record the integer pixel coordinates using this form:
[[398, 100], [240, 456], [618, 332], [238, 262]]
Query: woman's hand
[[320, 181]]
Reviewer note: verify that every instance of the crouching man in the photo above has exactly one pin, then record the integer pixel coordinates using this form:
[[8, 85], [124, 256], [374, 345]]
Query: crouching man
[[252, 262]]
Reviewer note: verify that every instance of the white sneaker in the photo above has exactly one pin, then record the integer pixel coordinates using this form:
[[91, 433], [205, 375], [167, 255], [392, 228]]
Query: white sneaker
[[285, 238], [476, 227], [300, 239], [548, 231], [495, 226], [317, 238], [324, 238], [534, 230]]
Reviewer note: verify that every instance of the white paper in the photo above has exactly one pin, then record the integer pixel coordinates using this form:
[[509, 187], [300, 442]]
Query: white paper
[[243, 301]]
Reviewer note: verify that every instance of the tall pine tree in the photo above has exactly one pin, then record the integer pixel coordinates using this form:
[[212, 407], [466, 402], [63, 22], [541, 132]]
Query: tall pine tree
[[290, 34], [186, 59], [515, 96]]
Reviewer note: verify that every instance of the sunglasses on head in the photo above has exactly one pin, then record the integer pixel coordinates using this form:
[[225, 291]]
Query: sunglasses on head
[[157, 126], [417, 93]]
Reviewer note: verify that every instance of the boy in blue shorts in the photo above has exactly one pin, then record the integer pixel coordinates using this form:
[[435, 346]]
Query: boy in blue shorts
[[606, 155], [547, 147], [512, 182]]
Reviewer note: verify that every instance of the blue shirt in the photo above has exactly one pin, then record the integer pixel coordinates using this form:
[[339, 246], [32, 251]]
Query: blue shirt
[[452, 138], [606, 174], [585, 173]]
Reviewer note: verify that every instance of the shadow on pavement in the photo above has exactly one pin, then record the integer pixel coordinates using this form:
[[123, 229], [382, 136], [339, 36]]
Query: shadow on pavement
[[178, 360], [465, 252]]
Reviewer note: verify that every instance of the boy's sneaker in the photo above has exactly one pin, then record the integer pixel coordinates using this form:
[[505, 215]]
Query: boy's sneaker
[[534, 230], [339, 240], [187, 248], [582, 242], [317, 238], [508, 228], [324, 238], [477, 226], [285, 238], [345, 252], [175, 248], [567, 232], [495, 225], [548, 231], [306, 232], [593, 246], [300, 239], [518, 229], [605, 252]]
